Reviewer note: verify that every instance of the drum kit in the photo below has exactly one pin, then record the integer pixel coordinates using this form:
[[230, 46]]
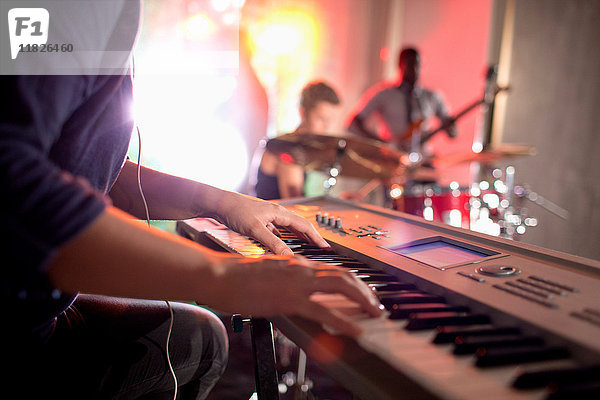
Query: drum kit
[[495, 205]]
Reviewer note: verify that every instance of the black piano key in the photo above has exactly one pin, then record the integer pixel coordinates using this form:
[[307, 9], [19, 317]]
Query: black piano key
[[447, 334], [343, 261], [505, 356], [314, 252], [296, 240], [403, 311], [401, 294], [470, 344], [556, 376], [309, 250], [376, 277], [385, 295], [326, 260], [350, 264], [330, 256], [391, 286], [294, 246], [422, 321], [361, 271], [387, 292], [408, 298], [352, 261], [580, 391]]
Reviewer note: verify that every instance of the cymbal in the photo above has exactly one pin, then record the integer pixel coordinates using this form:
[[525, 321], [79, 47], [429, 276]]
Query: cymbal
[[489, 154], [353, 156]]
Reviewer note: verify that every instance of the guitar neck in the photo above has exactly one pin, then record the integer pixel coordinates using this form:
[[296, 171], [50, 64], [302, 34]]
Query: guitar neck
[[457, 116]]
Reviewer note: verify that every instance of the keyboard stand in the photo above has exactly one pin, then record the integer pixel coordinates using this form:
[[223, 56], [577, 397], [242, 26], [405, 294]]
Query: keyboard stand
[[263, 348]]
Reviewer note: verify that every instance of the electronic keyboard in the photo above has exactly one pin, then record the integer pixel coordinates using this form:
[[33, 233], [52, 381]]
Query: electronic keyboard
[[469, 316]]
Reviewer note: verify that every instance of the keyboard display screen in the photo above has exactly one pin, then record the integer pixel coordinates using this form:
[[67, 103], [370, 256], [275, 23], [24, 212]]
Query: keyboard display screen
[[440, 254]]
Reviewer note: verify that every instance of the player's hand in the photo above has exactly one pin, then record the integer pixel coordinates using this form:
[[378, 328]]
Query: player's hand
[[257, 218], [451, 127], [283, 285]]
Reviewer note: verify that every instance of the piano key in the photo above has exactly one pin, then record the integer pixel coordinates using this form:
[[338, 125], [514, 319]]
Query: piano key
[[409, 298], [470, 344], [343, 265], [305, 246], [420, 321], [447, 334], [354, 264], [403, 311], [388, 294], [313, 252], [401, 294], [500, 356], [378, 277], [391, 286], [452, 377], [328, 257], [324, 255], [343, 261], [360, 271], [557, 376], [582, 390], [357, 264]]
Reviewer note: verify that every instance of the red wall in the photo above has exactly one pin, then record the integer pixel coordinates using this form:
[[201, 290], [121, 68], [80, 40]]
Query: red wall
[[452, 36]]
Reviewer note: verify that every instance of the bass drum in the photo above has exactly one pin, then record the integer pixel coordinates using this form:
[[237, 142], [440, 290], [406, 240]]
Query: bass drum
[[435, 203]]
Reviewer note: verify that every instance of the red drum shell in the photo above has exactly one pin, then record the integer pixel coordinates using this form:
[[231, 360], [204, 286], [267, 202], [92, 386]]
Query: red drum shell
[[442, 203]]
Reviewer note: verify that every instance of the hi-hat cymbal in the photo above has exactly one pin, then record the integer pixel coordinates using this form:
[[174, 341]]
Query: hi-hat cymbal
[[353, 156], [489, 154]]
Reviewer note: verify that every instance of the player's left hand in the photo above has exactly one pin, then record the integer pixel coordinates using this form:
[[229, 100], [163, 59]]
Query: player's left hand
[[257, 218]]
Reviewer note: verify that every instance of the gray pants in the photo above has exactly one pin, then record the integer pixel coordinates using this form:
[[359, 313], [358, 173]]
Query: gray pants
[[113, 348]]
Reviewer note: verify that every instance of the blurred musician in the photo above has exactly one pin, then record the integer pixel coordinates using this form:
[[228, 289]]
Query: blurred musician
[[403, 108], [277, 176]]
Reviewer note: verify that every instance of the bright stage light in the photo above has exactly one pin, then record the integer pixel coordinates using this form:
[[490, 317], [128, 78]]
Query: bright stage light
[[220, 5], [199, 27], [285, 47], [186, 71], [220, 159], [286, 32], [181, 134]]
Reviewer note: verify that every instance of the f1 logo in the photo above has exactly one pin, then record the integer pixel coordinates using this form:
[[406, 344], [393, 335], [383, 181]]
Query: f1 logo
[[28, 26]]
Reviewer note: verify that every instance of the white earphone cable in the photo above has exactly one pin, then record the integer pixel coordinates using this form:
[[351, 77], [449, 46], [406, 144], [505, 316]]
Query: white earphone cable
[[139, 182]]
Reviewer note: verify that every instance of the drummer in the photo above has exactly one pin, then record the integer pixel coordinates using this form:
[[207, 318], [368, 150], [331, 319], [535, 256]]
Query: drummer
[[278, 176]]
